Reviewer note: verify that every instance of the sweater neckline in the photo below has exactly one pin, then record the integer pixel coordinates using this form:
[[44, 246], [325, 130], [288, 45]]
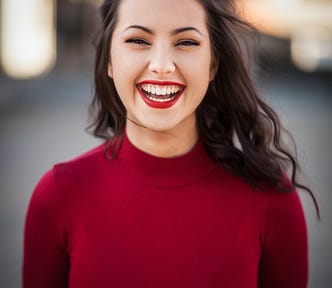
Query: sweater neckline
[[176, 171]]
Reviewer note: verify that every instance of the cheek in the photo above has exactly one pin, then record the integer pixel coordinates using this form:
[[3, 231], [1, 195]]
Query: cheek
[[124, 78], [126, 66], [198, 76], [198, 64]]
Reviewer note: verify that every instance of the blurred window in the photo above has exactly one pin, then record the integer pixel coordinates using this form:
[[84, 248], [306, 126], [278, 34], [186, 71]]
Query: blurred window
[[27, 37]]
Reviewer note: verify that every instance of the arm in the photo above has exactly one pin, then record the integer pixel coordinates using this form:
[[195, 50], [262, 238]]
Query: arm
[[45, 261], [284, 261]]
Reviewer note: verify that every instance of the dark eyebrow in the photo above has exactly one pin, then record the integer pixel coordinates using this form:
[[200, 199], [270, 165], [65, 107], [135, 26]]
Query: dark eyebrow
[[174, 32], [184, 29], [145, 29]]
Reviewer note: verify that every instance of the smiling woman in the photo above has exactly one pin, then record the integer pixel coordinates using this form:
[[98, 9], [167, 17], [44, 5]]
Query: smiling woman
[[189, 188], [147, 48]]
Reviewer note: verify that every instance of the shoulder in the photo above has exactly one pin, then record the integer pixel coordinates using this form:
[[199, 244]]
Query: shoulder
[[284, 204], [284, 210], [265, 202], [68, 175], [270, 195], [81, 168], [87, 160]]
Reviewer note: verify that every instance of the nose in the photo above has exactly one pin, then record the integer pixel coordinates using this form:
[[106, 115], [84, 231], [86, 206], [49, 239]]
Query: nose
[[161, 61]]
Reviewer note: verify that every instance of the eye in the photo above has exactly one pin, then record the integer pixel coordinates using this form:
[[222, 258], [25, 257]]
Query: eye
[[138, 41], [187, 43]]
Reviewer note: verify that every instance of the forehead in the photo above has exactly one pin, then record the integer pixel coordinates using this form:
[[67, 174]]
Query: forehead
[[162, 14]]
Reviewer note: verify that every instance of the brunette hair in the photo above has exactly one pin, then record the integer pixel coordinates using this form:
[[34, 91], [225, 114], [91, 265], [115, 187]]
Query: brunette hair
[[239, 130]]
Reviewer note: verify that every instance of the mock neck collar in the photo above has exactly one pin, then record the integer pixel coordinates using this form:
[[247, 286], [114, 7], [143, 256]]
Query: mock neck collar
[[177, 171]]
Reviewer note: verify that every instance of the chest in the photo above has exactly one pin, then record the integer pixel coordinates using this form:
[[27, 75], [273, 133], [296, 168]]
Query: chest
[[188, 237]]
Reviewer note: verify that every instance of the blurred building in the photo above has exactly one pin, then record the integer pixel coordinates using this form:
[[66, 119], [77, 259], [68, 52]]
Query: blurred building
[[296, 30], [38, 35]]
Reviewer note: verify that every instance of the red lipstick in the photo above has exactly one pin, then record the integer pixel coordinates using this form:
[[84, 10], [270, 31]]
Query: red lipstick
[[171, 94]]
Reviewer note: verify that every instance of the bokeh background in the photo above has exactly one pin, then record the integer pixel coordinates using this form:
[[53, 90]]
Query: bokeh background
[[46, 85]]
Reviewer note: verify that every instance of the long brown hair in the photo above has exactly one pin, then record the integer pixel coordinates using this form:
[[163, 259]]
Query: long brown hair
[[239, 130]]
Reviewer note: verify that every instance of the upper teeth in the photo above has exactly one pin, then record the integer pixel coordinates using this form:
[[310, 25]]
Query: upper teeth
[[161, 89]]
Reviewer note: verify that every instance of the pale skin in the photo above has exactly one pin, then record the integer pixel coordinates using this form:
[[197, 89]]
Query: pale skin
[[157, 40]]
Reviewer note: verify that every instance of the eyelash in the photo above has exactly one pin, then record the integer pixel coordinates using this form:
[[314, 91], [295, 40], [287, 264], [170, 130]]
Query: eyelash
[[140, 41], [187, 43], [137, 41]]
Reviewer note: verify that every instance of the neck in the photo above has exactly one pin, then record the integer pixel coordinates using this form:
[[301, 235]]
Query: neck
[[164, 144]]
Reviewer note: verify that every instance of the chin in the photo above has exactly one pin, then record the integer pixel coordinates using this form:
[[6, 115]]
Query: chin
[[160, 128]]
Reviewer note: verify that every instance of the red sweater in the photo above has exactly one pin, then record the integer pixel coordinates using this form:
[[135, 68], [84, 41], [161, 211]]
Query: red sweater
[[142, 221]]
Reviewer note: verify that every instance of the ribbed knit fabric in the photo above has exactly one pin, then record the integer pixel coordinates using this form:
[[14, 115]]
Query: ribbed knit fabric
[[143, 221]]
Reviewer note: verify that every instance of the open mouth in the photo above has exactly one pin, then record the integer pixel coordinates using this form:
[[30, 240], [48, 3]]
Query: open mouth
[[160, 95]]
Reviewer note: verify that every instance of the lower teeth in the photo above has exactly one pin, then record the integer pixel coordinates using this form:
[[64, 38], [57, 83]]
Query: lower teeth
[[160, 100]]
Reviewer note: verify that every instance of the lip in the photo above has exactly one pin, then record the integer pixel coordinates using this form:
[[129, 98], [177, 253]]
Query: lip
[[155, 104], [157, 82]]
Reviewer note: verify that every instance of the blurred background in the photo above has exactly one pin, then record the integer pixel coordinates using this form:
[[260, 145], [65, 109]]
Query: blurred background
[[46, 85]]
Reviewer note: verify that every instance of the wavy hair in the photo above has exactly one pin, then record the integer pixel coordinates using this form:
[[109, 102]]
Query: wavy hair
[[239, 130]]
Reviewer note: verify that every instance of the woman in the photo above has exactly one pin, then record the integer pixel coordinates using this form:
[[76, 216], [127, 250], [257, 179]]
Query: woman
[[188, 190]]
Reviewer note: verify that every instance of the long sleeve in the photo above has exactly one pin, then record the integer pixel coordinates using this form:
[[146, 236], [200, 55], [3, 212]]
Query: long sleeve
[[95, 222], [284, 260], [45, 261]]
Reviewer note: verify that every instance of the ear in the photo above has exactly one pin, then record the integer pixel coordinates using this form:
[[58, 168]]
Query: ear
[[213, 69], [110, 70]]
